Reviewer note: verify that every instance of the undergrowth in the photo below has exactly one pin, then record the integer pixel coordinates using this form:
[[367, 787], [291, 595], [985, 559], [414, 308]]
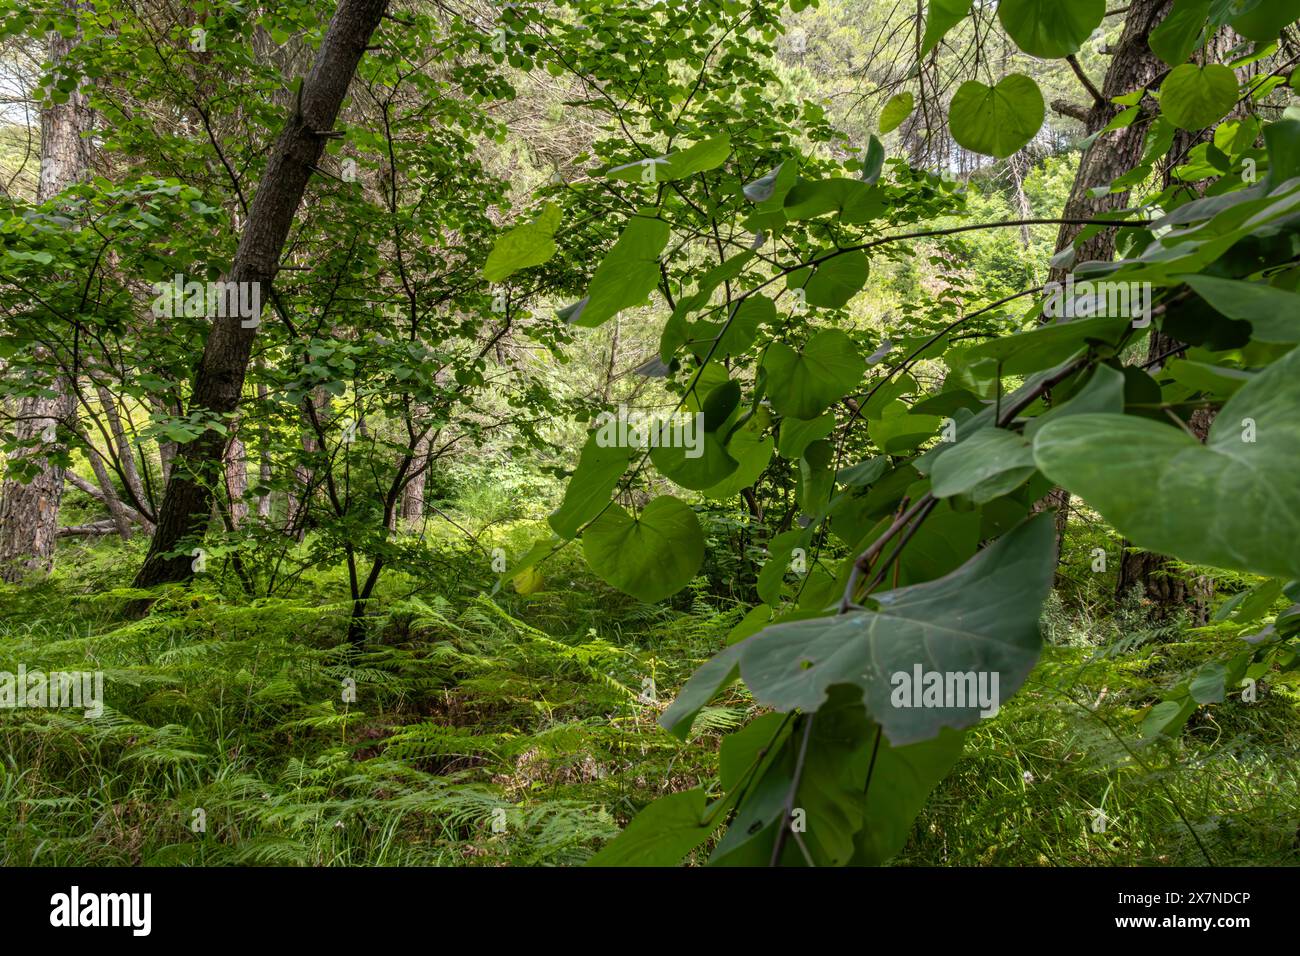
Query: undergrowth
[[503, 729]]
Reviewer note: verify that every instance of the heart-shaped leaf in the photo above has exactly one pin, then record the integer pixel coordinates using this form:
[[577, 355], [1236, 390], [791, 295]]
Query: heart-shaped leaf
[[996, 120], [529, 244], [1193, 97], [804, 384], [649, 557], [626, 276], [895, 111], [1050, 28], [940, 17]]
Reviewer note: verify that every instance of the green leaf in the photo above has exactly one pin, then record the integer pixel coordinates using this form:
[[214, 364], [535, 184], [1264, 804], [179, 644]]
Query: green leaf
[[1180, 32], [1048, 345], [525, 245], [996, 120], [874, 160], [1193, 97], [980, 619], [1103, 393], [1213, 380], [855, 201], [836, 281], [600, 466], [901, 780], [772, 186], [895, 111], [626, 276], [1266, 19], [804, 384], [797, 434], [940, 17], [661, 834], [780, 550], [1207, 686], [738, 334], [703, 465], [709, 154], [649, 557], [751, 451], [705, 684], [1273, 314], [1050, 28], [987, 465], [1168, 493]]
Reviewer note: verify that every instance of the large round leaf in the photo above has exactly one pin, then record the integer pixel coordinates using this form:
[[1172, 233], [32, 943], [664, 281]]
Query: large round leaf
[[1193, 97], [649, 557], [837, 280], [1050, 28], [1265, 20], [996, 120], [980, 619], [1233, 502], [804, 384]]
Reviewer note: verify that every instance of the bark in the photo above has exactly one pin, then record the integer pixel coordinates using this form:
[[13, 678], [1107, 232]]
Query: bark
[[116, 510], [219, 380], [237, 482], [264, 459], [29, 513], [92, 489], [125, 451], [413, 493], [1132, 67], [315, 406]]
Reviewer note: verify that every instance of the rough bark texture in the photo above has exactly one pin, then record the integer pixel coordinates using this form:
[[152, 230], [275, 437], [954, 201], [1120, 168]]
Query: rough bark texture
[[237, 482], [125, 450], [187, 502], [413, 494], [264, 460], [1132, 66], [29, 513]]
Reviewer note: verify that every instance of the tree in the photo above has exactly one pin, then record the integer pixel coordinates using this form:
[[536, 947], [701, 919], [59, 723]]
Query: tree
[[219, 381], [29, 505]]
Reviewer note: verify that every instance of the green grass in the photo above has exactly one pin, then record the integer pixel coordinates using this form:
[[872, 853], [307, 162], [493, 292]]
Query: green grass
[[520, 731]]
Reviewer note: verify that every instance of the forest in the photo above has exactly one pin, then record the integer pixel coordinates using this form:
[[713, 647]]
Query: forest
[[558, 433]]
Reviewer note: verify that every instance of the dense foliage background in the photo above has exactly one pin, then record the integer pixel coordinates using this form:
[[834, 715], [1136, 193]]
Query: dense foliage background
[[365, 583]]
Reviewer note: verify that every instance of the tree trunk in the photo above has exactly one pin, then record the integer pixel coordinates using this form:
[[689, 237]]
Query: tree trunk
[[263, 460], [237, 482], [220, 377], [29, 513], [125, 452], [413, 493], [1132, 66]]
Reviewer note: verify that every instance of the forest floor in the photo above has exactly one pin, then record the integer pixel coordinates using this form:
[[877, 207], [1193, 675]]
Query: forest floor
[[522, 730]]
